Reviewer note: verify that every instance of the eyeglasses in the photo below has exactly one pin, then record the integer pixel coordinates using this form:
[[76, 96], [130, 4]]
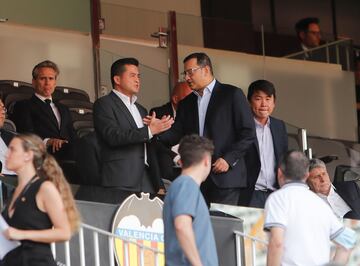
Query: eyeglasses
[[317, 33], [190, 72]]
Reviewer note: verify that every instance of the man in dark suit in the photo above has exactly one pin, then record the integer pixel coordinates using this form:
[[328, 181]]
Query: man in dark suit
[[127, 162], [344, 199], [309, 35], [221, 113], [166, 155], [263, 156], [43, 117]]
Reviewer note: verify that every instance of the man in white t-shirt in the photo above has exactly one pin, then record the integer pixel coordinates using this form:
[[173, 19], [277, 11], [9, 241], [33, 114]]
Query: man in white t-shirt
[[301, 225]]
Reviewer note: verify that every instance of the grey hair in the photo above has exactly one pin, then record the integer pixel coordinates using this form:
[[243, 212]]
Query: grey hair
[[316, 163]]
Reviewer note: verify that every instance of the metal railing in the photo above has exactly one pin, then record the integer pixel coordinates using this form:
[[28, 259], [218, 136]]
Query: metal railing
[[96, 250], [345, 42], [254, 240]]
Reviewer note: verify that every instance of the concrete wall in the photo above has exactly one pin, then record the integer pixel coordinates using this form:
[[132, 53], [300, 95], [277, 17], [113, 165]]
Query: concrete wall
[[64, 14], [139, 19], [316, 96], [22, 47]]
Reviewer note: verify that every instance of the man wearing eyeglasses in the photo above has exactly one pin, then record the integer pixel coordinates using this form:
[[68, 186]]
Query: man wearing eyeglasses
[[309, 35], [221, 113], [5, 138]]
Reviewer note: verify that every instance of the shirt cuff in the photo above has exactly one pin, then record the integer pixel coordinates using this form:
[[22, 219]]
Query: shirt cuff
[[150, 134], [45, 141]]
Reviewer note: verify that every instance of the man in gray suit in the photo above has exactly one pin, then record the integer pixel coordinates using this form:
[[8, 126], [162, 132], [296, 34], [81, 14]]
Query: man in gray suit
[[127, 163]]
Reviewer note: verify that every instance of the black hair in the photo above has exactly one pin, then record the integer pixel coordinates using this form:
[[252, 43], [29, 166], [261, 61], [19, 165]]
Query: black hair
[[261, 85], [118, 67], [202, 60], [303, 24]]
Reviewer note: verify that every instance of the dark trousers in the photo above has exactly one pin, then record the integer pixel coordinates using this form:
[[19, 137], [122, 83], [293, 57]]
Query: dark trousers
[[214, 194], [259, 198]]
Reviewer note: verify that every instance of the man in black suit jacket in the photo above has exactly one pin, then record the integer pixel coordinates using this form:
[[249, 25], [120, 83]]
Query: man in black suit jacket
[[263, 156], [41, 116], [221, 113], [128, 163], [165, 154], [344, 199]]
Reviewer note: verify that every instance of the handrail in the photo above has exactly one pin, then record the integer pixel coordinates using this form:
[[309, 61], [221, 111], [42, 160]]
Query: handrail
[[262, 241], [318, 47], [253, 239]]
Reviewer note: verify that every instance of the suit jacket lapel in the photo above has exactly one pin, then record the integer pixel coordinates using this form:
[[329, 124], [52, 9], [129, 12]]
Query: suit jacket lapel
[[275, 140], [124, 110], [44, 110]]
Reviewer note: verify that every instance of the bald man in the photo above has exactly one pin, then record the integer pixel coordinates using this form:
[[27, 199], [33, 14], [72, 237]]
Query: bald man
[[165, 155]]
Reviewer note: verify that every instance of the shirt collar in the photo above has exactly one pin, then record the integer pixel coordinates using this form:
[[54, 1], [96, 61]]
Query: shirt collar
[[209, 88], [258, 124], [125, 98], [296, 183], [42, 97]]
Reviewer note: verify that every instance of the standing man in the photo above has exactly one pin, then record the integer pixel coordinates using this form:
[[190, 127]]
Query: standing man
[[301, 225], [189, 238], [221, 113], [43, 117], [168, 157], [180, 91], [126, 161], [271, 143]]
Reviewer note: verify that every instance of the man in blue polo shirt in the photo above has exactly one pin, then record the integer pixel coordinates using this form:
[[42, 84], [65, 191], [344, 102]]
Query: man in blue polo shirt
[[189, 237]]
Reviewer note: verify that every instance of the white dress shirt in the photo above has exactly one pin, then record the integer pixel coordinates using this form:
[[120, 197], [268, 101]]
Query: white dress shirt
[[203, 102], [3, 151], [337, 204], [134, 111], [267, 176]]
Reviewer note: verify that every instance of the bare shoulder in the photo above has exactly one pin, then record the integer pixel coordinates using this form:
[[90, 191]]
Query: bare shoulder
[[48, 188]]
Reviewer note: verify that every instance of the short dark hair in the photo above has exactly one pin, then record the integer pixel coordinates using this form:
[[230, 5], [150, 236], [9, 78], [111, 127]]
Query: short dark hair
[[294, 165], [261, 85], [46, 63], [192, 149], [118, 67], [202, 60], [303, 24]]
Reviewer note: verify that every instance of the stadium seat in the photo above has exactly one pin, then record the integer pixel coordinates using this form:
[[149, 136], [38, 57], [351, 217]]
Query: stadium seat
[[9, 125], [71, 103], [61, 93]]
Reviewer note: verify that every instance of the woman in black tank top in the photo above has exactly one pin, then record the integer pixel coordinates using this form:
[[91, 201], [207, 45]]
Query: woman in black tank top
[[42, 209]]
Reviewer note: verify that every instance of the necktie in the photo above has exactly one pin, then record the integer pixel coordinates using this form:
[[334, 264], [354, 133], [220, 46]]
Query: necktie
[[48, 105]]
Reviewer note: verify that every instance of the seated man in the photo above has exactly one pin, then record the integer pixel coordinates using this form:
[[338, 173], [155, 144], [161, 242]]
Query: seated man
[[341, 202], [309, 36], [301, 225], [40, 115], [5, 138]]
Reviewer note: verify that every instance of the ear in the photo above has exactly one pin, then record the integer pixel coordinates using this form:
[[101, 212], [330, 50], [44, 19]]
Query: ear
[[117, 80], [174, 99], [280, 177], [29, 155], [302, 35]]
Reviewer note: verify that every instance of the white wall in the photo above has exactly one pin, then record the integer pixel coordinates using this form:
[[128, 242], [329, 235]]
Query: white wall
[[316, 96], [22, 47]]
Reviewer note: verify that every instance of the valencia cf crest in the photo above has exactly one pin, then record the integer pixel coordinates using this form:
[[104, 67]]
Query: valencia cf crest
[[139, 220]]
